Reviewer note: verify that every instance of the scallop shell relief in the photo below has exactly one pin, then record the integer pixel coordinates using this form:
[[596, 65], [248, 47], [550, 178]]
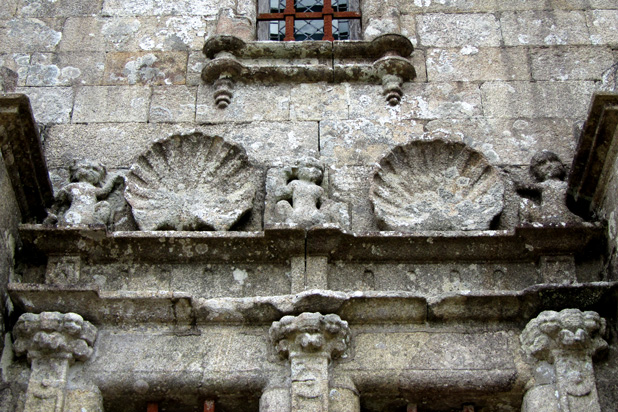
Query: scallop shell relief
[[436, 185], [191, 182]]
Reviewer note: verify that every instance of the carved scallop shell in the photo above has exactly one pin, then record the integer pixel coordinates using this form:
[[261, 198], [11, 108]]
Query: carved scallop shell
[[436, 185], [191, 182]]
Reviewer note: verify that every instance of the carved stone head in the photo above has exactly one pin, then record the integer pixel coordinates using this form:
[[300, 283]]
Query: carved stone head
[[546, 165], [89, 171]]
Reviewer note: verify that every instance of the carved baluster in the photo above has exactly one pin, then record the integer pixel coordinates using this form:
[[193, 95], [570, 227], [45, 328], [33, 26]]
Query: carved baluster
[[562, 345], [52, 341], [310, 341]]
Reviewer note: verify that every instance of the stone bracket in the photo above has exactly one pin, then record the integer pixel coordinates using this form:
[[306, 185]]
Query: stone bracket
[[384, 60]]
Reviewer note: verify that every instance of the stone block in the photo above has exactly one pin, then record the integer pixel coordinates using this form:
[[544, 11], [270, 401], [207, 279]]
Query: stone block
[[350, 184], [251, 102], [7, 8], [418, 61], [319, 101], [17, 62], [205, 8], [408, 27], [539, 99], [30, 35], [440, 100], [362, 141], [50, 104], [458, 30], [173, 104], [118, 144], [510, 141], [570, 63], [603, 26], [448, 6], [544, 28], [59, 8], [156, 68], [196, 63], [111, 104], [65, 69], [471, 63]]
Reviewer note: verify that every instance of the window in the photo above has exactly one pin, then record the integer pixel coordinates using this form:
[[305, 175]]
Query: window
[[289, 20]]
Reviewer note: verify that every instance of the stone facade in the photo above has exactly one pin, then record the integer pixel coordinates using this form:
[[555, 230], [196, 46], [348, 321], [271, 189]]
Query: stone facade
[[424, 219]]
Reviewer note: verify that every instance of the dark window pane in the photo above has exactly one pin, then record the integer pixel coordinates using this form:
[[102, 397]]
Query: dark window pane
[[341, 29], [308, 6], [308, 30], [277, 30], [340, 5]]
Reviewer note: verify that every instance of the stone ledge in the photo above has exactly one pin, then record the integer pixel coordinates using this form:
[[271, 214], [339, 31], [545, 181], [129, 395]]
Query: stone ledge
[[278, 245], [182, 310]]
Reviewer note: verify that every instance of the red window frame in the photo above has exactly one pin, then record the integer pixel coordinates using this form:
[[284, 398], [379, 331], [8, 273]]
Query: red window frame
[[327, 14]]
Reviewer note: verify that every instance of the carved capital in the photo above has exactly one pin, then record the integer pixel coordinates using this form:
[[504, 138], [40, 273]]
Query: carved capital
[[570, 331], [54, 335], [310, 333]]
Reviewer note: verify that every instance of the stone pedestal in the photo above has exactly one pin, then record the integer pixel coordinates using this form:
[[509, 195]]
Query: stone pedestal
[[562, 345], [52, 341], [310, 341]]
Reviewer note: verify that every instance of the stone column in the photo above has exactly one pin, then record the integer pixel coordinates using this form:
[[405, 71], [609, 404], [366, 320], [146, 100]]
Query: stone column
[[562, 345], [52, 341], [310, 341]]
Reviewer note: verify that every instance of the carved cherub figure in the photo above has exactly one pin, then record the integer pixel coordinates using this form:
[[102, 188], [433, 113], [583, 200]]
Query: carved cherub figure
[[544, 194], [82, 201], [296, 197]]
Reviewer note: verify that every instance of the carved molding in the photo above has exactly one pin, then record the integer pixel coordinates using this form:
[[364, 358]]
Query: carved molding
[[310, 333], [384, 60], [436, 185], [191, 182], [23, 157], [54, 335]]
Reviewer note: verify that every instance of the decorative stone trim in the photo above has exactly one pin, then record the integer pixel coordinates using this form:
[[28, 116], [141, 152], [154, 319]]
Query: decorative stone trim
[[310, 333], [384, 60], [53, 341], [54, 334], [567, 340]]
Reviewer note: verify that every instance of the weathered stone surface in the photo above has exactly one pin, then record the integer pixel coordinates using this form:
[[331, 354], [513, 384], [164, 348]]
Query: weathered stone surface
[[191, 182], [570, 63], [361, 141], [8, 80], [145, 68], [62, 8], [65, 69], [250, 103], [603, 26], [7, 8], [173, 104], [509, 141], [458, 30], [17, 62], [50, 104], [295, 196], [452, 6], [111, 104], [319, 101], [195, 65], [349, 184], [205, 8], [436, 185], [471, 63], [540, 99], [30, 35], [544, 28], [440, 100], [567, 341]]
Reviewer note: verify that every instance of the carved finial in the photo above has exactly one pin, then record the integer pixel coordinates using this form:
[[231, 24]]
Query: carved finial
[[391, 88], [310, 333], [566, 331], [54, 335], [223, 92]]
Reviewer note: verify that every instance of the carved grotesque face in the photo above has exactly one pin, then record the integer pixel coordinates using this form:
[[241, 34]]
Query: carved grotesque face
[[87, 171], [547, 165], [310, 174]]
